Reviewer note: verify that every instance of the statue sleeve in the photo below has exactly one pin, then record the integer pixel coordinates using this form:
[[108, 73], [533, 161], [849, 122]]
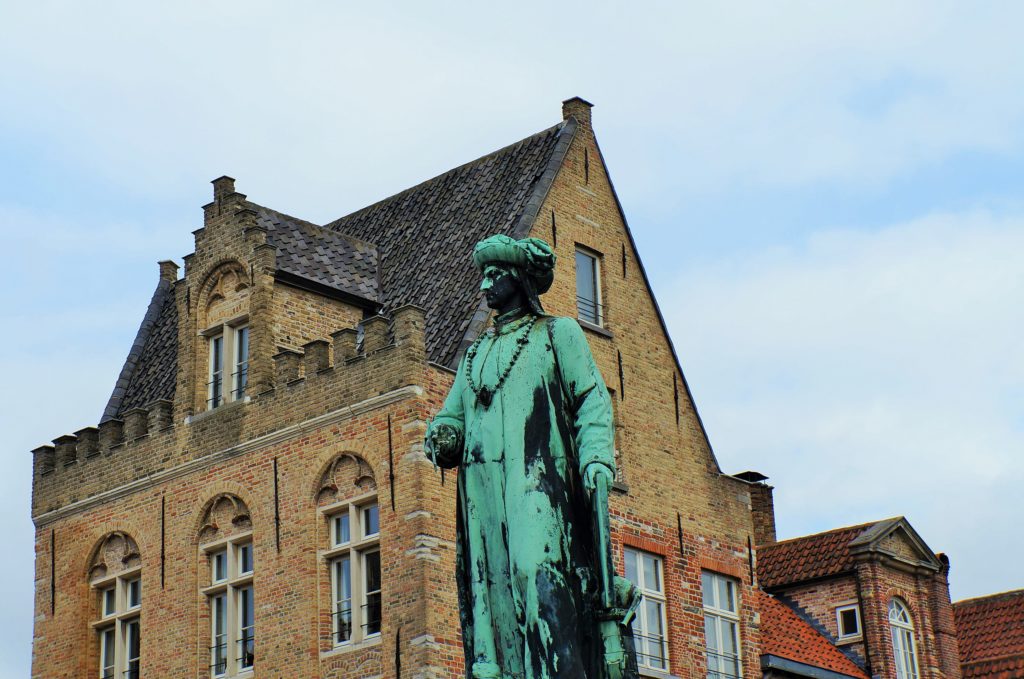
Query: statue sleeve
[[452, 414], [590, 406]]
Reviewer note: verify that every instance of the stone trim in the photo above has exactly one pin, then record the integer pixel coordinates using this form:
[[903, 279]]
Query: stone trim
[[258, 443]]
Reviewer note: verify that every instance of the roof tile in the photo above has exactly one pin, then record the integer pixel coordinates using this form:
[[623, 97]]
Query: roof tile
[[990, 633]]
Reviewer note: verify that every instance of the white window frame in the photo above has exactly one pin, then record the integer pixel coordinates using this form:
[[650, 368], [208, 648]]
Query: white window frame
[[597, 317], [231, 385], [118, 619], [355, 550], [230, 657], [904, 647], [723, 619], [840, 636], [644, 638]]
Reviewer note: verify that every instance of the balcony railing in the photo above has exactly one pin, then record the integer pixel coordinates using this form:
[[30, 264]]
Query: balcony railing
[[589, 310]]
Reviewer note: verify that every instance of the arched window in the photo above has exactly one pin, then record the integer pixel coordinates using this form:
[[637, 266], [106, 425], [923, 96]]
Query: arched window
[[347, 499], [903, 649], [115, 576], [225, 541]]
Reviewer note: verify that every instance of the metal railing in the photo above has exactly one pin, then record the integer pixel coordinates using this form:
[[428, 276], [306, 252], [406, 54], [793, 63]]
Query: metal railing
[[216, 390], [643, 643], [240, 378], [246, 649], [723, 661], [589, 310]]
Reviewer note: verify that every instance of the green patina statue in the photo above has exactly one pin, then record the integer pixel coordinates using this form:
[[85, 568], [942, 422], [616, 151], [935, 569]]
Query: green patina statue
[[528, 422]]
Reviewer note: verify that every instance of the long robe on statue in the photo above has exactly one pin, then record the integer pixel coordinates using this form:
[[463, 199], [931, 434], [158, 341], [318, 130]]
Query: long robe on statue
[[527, 574]]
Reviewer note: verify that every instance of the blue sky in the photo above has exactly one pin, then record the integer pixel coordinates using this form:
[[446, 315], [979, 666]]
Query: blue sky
[[827, 198]]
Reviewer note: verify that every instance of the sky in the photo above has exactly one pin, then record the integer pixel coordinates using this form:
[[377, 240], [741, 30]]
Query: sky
[[827, 198]]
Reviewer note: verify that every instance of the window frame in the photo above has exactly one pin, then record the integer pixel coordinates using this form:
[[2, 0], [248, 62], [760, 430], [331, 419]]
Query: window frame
[[230, 382], [641, 633], [598, 318], [722, 617], [118, 621], [902, 635], [840, 636], [230, 591], [355, 550]]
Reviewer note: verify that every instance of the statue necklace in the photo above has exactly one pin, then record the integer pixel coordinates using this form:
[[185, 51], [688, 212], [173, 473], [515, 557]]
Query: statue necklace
[[485, 394]]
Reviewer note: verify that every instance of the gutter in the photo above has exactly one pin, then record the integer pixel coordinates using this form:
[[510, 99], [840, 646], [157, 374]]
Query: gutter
[[774, 662]]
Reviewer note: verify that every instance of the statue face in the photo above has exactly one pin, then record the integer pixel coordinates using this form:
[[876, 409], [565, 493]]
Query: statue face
[[500, 287]]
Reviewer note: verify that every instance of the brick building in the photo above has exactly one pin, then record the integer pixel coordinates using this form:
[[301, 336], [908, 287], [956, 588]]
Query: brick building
[[255, 500]]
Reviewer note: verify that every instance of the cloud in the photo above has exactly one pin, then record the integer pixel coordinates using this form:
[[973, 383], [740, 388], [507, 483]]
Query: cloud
[[871, 374]]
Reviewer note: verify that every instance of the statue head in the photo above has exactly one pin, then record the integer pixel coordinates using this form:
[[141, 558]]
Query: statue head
[[516, 272]]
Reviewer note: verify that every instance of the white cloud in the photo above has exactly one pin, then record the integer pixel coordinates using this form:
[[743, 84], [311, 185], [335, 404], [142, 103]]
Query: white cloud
[[871, 374]]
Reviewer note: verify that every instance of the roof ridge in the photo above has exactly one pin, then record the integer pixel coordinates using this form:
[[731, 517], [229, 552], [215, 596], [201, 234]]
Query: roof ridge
[[332, 225], [830, 531], [985, 598], [317, 227]]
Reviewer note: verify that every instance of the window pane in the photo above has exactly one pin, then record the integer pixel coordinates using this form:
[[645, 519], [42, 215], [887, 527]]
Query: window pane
[[655, 633], [707, 586], [132, 645], [219, 566], [342, 600], [241, 361], [371, 572], [219, 621], [848, 622], [246, 625], [107, 654], [371, 521], [652, 573], [586, 288], [245, 558], [108, 598], [216, 386], [134, 593], [725, 592], [711, 640], [342, 534], [631, 570]]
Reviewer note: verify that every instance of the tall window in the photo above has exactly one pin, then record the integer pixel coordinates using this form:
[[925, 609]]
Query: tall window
[[721, 625], [120, 603], [354, 562], [228, 363], [903, 649], [588, 288], [232, 608], [645, 571]]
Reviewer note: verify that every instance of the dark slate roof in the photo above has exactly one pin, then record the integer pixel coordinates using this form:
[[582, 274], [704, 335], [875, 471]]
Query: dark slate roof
[[150, 371], [990, 634], [425, 235], [808, 557], [785, 635], [321, 256]]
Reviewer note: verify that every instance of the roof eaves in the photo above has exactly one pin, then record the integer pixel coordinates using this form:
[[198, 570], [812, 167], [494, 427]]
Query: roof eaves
[[163, 288], [774, 662]]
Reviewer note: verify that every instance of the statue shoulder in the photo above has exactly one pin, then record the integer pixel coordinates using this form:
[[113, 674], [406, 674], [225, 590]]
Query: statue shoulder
[[565, 329]]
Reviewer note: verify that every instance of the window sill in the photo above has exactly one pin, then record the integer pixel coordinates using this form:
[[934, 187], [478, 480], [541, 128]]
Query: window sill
[[350, 648], [656, 674], [230, 405], [842, 641], [596, 329]]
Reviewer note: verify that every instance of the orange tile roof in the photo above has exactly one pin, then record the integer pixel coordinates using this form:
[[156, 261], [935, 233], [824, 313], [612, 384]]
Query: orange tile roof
[[990, 632], [808, 557], [785, 635]]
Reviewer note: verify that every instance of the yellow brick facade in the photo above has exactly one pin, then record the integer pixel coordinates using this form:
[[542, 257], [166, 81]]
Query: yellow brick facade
[[154, 476]]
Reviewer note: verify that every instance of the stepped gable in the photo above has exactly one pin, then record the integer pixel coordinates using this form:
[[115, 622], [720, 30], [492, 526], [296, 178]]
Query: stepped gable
[[990, 632], [425, 235], [150, 370], [784, 635], [809, 557], [321, 256]]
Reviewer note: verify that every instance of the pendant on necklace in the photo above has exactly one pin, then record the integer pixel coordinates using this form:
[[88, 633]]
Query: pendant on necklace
[[484, 397]]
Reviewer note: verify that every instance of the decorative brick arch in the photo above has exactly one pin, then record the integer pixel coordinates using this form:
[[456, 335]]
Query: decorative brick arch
[[346, 475], [223, 516], [114, 553], [227, 278]]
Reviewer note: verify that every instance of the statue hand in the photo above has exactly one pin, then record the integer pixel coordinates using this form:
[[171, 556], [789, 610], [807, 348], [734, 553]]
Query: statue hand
[[592, 473], [444, 445]]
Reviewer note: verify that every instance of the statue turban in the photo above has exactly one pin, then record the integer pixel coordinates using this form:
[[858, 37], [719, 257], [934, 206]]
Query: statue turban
[[531, 256]]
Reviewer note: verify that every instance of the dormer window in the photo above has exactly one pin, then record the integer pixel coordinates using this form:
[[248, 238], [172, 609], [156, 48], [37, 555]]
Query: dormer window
[[228, 374], [848, 622]]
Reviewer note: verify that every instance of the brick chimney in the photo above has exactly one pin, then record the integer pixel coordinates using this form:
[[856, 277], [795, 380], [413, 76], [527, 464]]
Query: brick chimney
[[762, 506], [577, 108]]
